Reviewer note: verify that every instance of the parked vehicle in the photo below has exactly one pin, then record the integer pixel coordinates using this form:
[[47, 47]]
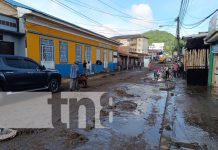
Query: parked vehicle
[[161, 59], [23, 74], [168, 59]]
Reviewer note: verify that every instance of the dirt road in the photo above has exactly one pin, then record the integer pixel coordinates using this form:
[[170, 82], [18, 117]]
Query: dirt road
[[142, 118]]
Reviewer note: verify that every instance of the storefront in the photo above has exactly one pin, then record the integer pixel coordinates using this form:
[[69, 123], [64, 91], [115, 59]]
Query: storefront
[[212, 39], [195, 59]]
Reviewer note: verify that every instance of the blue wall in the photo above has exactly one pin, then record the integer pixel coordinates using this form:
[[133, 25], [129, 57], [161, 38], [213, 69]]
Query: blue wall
[[64, 69]]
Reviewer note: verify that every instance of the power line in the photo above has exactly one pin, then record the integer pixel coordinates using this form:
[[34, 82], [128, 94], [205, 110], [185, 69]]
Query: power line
[[79, 3], [194, 25], [123, 18], [130, 16], [183, 11], [91, 20], [85, 5], [114, 8], [82, 15]]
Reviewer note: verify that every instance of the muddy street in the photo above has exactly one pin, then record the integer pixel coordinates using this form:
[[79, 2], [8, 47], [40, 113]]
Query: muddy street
[[144, 117]]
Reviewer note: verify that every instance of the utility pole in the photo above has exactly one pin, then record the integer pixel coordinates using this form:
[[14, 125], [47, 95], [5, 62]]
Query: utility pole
[[178, 35]]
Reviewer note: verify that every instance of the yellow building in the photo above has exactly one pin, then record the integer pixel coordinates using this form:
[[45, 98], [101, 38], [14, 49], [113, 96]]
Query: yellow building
[[57, 44]]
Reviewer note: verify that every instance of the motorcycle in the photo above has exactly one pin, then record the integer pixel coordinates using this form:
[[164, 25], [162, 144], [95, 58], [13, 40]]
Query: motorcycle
[[82, 81]]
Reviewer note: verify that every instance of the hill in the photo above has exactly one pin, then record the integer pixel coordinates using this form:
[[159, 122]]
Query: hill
[[156, 36]]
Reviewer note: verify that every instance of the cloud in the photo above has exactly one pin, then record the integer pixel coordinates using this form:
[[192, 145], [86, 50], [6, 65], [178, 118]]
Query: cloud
[[144, 13]]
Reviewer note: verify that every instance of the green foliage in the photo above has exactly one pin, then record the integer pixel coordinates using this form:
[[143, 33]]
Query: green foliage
[[156, 36]]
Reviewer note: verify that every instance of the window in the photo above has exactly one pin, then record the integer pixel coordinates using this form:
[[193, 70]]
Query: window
[[7, 23], [15, 62], [88, 53], [47, 49], [105, 55], [98, 54], [110, 56], [63, 52], [79, 53], [3, 22], [30, 64]]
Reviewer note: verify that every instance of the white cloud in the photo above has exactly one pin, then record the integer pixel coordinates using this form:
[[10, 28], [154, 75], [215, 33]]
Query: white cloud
[[107, 30], [144, 13]]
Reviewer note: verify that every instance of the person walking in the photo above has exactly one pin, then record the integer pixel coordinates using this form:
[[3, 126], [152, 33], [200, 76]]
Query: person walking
[[167, 72], [175, 69], [73, 76]]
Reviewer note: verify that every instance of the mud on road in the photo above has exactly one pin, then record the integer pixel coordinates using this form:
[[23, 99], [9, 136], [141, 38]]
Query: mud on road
[[138, 114], [138, 108]]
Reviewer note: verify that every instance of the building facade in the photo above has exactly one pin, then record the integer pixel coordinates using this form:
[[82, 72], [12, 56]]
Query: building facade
[[53, 42], [126, 59], [12, 35], [137, 43], [156, 49], [212, 39]]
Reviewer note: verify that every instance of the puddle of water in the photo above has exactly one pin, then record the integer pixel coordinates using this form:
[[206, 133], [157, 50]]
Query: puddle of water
[[128, 126], [193, 117], [133, 124]]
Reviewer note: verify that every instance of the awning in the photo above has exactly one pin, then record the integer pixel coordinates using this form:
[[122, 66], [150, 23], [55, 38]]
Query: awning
[[213, 38], [130, 55]]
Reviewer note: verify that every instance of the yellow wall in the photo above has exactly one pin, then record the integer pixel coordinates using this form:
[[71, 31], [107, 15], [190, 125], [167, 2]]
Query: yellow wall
[[71, 52], [102, 54], [33, 47], [33, 43], [93, 53], [56, 51]]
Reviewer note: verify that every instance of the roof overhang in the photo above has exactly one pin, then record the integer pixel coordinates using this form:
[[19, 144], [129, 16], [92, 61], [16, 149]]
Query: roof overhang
[[212, 38], [75, 27]]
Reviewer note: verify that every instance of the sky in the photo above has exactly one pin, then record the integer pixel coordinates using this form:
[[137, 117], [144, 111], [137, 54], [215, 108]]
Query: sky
[[120, 17]]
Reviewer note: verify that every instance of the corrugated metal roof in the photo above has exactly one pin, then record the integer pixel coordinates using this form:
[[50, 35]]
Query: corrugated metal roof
[[200, 35], [17, 4]]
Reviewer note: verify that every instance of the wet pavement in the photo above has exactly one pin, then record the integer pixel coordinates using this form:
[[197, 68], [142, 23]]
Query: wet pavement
[[191, 119], [144, 117]]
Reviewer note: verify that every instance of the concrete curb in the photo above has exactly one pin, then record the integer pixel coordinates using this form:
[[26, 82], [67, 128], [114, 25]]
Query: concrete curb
[[97, 76]]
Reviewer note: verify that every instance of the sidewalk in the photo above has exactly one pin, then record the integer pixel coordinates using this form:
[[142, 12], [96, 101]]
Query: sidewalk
[[102, 75], [191, 120]]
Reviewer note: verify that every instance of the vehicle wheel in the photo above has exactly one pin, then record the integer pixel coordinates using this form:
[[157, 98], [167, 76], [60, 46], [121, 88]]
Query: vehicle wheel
[[54, 85], [85, 84]]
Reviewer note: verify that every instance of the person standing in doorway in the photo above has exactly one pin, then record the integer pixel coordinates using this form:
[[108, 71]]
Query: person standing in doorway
[[84, 67], [88, 68], [73, 76]]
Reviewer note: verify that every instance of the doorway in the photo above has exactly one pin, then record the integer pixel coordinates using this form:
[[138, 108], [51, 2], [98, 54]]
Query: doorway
[[6, 48]]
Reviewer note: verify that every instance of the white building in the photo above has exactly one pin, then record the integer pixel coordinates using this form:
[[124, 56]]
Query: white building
[[137, 43], [155, 49]]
